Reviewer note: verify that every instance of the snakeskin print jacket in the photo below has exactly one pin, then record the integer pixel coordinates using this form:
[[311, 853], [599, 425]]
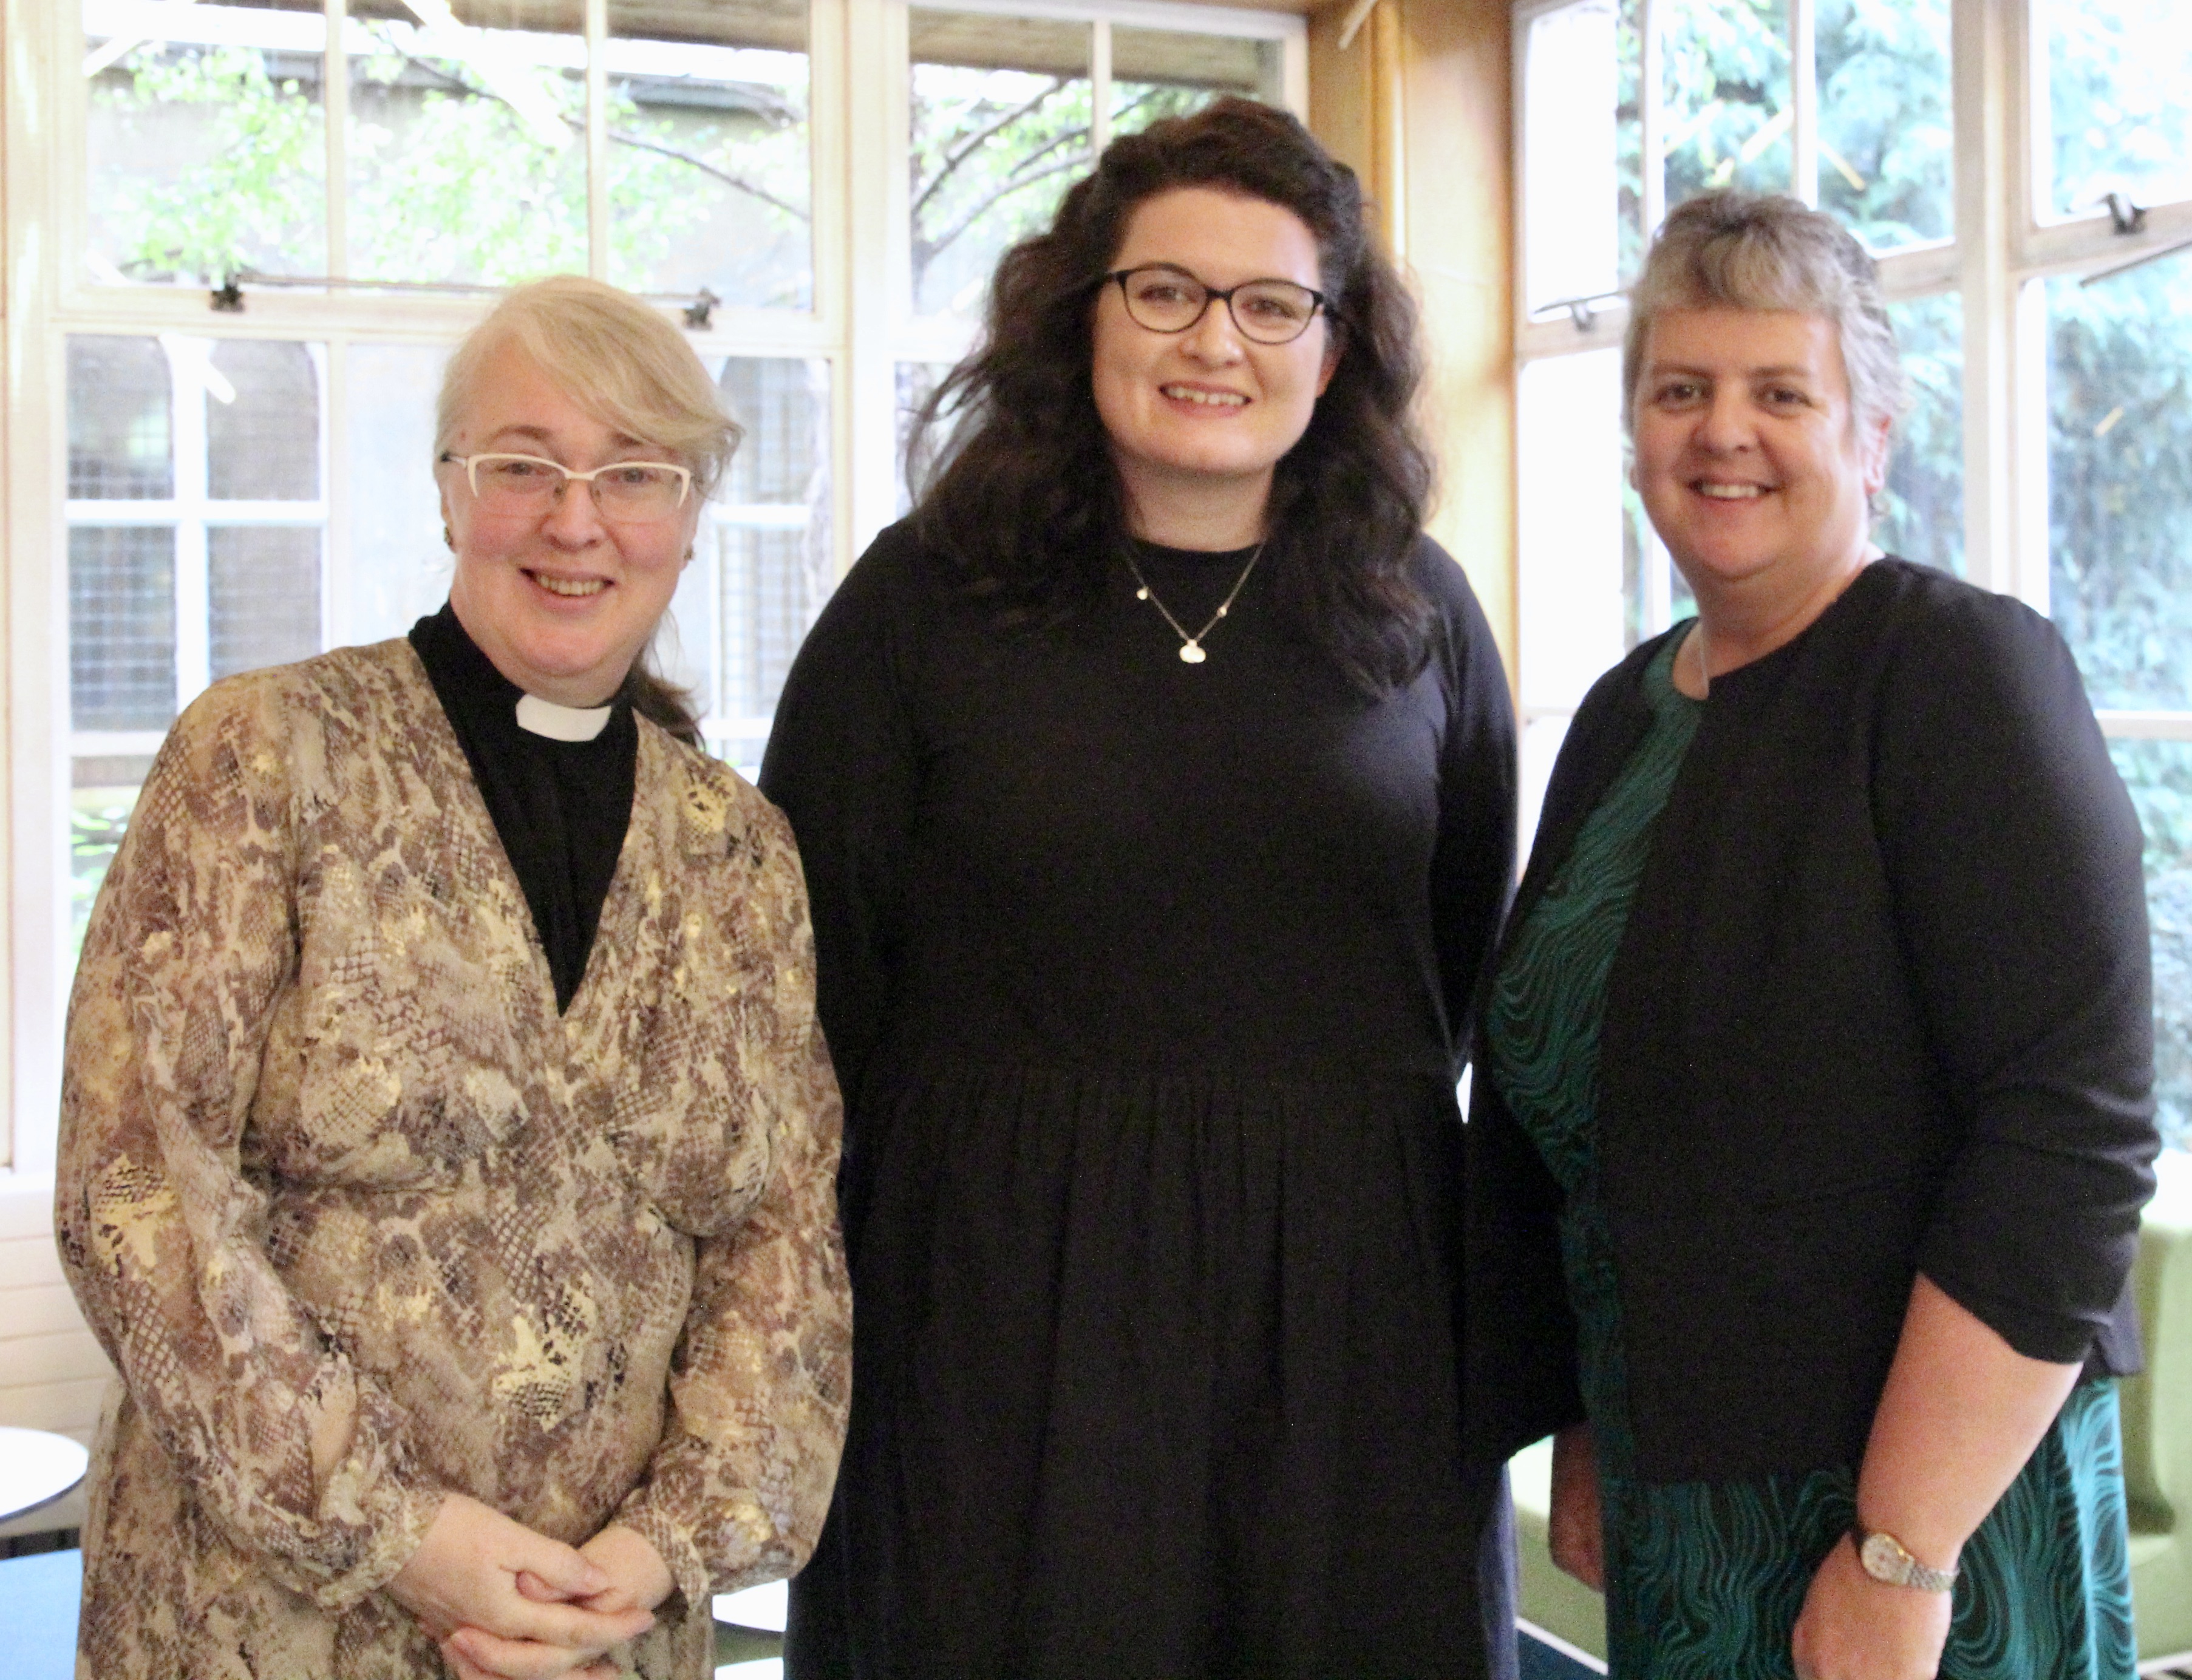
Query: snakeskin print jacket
[[360, 1219]]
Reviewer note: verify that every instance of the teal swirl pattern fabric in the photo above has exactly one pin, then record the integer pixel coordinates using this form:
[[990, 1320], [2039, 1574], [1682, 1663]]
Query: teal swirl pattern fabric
[[1704, 1580]]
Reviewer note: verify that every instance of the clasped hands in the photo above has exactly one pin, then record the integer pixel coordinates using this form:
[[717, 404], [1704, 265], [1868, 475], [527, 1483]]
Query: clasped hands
[[509, 1603]]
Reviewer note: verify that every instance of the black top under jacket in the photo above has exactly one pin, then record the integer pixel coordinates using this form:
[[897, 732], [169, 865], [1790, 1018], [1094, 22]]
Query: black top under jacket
[[560, 807], [1882, 1007]]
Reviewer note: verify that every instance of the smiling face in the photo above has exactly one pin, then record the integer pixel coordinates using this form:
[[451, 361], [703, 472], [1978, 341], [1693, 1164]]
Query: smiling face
[[1756, 473], [561, 602], [1205, 413]]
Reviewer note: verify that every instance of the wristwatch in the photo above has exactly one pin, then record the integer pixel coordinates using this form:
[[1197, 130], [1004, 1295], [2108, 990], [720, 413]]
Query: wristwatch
[[1886, 1559]]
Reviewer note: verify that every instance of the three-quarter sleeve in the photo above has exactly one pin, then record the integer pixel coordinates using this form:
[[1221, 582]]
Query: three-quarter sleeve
[[1473, 865], [842, 764], [762, 1378], [299, 1458], [2014, 855]]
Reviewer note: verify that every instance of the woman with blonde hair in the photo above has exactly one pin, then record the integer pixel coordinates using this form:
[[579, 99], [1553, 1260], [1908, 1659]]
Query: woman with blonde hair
[[448, 1145], [1815, 1113]]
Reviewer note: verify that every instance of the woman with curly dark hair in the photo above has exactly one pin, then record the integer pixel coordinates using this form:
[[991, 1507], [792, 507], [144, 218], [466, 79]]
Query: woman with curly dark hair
[[1154, 785]]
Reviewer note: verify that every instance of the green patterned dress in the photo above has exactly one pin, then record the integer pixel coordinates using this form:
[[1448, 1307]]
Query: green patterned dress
[[1704, 1580]]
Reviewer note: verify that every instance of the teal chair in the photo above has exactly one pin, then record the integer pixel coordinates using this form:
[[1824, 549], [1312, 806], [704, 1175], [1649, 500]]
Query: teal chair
[[2157, 1425]]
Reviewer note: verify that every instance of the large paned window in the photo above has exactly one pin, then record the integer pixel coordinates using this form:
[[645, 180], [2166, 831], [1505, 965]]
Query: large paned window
[[242, 236], [2022, 169]]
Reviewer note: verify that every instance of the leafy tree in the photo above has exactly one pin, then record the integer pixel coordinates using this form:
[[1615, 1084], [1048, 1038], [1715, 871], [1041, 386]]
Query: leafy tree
[[259, 192], [1886, 133], [450, 181]]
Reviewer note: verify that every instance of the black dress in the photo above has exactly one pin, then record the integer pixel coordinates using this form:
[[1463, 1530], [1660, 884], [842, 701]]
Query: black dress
[[1141, 978]]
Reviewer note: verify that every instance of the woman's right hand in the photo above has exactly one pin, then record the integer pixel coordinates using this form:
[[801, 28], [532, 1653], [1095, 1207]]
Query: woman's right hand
[[1575, 1531], [464, 1574]]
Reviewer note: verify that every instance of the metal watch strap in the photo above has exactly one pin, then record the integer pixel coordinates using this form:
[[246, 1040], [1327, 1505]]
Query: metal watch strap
[[1887, 1560]]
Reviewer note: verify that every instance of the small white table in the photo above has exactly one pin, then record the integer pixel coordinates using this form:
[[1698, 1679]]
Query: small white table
[[37, 1468]]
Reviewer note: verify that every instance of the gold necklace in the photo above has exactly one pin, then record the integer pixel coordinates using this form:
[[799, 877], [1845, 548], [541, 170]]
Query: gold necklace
[[1190, 647]]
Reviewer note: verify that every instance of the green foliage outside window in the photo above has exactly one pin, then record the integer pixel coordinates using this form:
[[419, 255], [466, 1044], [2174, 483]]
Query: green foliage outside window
[[457, 183], [260, 191], [95, 832]]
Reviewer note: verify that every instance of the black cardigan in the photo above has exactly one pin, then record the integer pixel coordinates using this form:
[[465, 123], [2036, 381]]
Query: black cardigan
[[1882, 1006]]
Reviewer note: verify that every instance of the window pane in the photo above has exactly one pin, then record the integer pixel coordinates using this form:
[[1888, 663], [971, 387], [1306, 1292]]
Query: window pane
[[1629, 132], [784, 407], [767, 601], [1653, 594], [2159, 774], [1571, 179], [1887, 138], [122, 627], [2117, 71], [467, 145], [917, 383], [119, 420], [765, 556], [1157, 73], [1571, 593], [1727, 97], [263, 423], [2119, 481], [708, 184], [1925, 516], [399, 565], [102, 793], [207, 148], [264, 585], [1001, 128]]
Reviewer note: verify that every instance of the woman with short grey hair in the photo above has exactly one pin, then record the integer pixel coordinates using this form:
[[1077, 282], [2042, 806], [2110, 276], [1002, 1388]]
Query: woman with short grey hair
[[1814, 1114]]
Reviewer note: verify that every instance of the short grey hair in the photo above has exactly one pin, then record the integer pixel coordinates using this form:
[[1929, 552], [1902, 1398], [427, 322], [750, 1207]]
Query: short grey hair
[[620, 360], [1753, 251]]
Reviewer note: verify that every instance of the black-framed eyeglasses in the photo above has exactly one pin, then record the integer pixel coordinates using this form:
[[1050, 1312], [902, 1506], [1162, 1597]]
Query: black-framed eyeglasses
[[1168, 299]]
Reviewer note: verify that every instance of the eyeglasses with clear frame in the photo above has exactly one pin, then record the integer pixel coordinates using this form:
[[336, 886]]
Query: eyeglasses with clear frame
[[1168, 299], [624, 492]]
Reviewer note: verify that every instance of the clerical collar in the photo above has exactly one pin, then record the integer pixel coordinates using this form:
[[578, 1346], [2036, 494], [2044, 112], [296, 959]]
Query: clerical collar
[[538, 717], [467, 680]]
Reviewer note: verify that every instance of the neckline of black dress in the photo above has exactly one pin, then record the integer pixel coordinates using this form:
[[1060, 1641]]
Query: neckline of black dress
[[1146, 551]]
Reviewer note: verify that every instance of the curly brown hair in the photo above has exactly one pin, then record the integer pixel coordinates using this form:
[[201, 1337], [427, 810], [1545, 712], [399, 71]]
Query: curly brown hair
[[1017, 489]]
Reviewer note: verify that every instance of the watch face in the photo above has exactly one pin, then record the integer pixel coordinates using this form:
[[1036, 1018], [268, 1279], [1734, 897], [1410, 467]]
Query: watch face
[[1884, 1560]]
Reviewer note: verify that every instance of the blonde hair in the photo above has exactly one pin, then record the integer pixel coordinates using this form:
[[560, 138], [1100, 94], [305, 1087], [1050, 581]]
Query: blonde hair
[[618, 359], [1752, 250]]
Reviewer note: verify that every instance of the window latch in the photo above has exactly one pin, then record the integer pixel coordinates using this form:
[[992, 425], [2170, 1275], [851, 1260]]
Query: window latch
[[2128, 218]]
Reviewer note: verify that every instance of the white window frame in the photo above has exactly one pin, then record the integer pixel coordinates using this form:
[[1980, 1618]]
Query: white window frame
[[860, 324], [2007, 244]]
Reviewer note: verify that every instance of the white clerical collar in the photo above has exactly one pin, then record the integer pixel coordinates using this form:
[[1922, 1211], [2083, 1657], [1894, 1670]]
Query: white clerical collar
[[537, 716]]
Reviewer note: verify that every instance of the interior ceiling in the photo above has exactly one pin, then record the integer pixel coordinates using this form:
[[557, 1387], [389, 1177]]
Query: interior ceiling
[[980, 41], [983, 41], [781, 24], [976, 40]]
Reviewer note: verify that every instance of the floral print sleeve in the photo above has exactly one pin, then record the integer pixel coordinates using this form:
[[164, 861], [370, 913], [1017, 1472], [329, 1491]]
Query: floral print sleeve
[[297, 1455], [737, 1491]]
